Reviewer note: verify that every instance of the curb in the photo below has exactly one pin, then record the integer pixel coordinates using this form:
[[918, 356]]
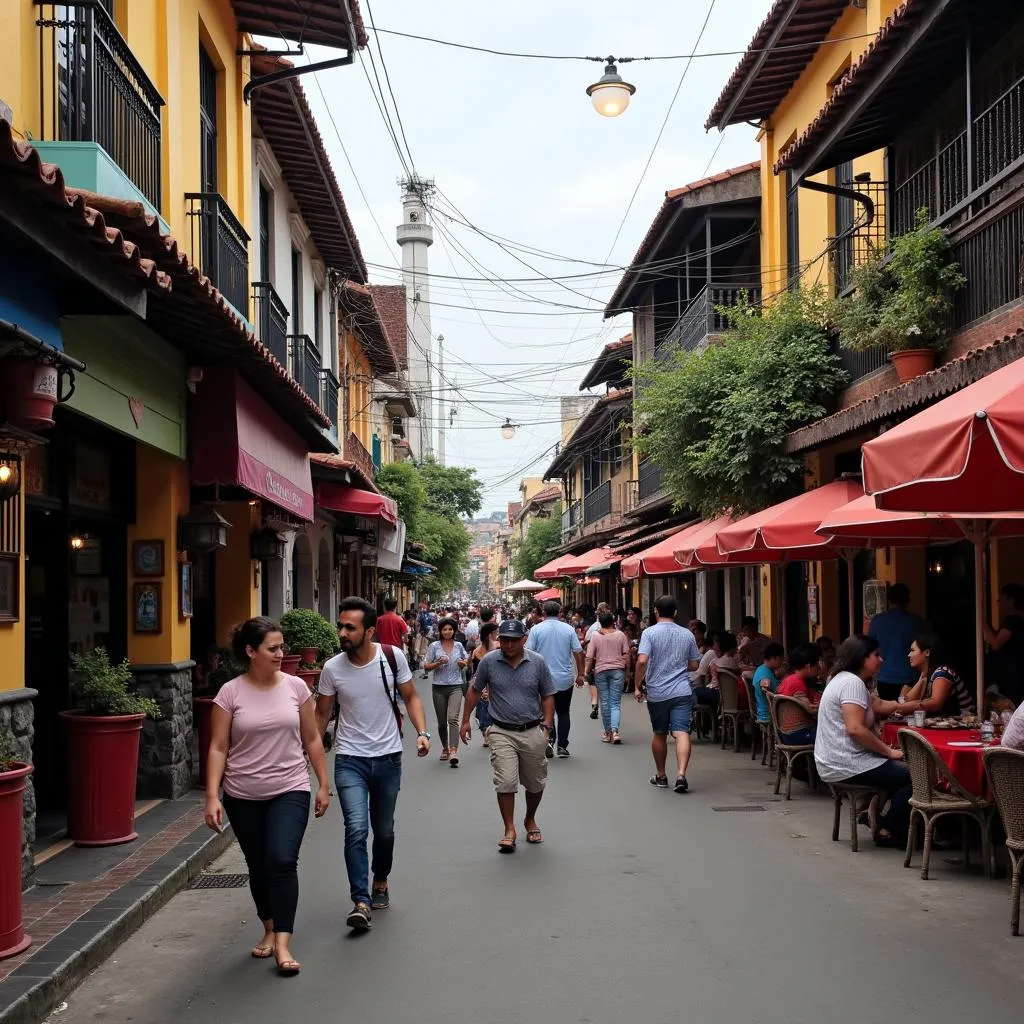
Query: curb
[[35, 1004]]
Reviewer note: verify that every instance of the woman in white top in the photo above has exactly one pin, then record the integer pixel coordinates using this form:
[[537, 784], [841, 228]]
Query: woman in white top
[[846, 747], [446, 658]]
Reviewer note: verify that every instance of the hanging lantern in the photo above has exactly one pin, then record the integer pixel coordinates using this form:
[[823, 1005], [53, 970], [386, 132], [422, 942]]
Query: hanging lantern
[[268, 545], [203, 529], [610, 94]]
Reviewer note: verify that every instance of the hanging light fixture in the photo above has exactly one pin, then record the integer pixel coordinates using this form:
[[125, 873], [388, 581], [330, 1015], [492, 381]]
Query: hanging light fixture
[[610, 94], [508, 429], [10, 476]]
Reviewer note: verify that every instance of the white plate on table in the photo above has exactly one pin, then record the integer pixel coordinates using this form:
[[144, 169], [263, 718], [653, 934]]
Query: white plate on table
[[965, 743]]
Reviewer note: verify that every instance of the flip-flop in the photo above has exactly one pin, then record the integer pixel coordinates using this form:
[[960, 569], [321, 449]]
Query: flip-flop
[[262, 952], [506, 846], [288, 968], [534, 836]]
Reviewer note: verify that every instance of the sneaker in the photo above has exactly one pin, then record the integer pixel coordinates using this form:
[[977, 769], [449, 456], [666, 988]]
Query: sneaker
[[359, 918], [681, 784], [549, 750], [593, 711], [661, 781], [381, 898], [562, 752]]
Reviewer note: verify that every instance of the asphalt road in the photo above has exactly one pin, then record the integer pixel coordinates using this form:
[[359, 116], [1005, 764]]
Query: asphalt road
[[641, 906]]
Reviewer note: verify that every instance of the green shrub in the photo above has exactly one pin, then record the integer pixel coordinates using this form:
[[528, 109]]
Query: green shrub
[[102, 688], [303, 627]]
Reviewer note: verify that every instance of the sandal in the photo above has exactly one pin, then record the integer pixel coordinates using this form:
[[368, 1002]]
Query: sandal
[[534, 836], [444, 755], [288, 968], [506, 845], [262, 952]]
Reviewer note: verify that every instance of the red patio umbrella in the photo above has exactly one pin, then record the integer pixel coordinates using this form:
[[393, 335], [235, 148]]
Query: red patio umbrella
[[862, 523], [658, 559], [964, 455], [552, 594], [553, 569]]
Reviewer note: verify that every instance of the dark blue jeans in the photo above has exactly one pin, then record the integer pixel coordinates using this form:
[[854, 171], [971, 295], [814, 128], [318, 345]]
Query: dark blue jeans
[[270, 833], [368, 790]]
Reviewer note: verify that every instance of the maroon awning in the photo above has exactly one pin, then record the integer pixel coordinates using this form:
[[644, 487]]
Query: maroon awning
[[237, 440], [341, 498]]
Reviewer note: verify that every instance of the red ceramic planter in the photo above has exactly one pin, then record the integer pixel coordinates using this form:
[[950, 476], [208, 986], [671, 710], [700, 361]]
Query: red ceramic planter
[[290, 664], [103, 758], [12, 932], [913, 362], [202, 713], [309, 654]]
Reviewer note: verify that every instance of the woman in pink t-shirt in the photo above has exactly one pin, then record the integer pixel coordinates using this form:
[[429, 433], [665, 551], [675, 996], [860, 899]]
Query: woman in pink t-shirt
[[607, 658], [262, 722]]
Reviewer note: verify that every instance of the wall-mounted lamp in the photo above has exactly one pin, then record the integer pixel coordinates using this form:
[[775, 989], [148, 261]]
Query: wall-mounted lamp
[[203, 529], [10, 476], [268, 545], [77, 542]]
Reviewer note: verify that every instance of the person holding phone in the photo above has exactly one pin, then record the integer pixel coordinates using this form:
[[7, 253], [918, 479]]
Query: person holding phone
[[262, 723], [446, 658]]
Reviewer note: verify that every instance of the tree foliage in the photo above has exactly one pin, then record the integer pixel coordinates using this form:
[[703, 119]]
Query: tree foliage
[[451, 490], [402, 482], [716, 420], [541, 537]]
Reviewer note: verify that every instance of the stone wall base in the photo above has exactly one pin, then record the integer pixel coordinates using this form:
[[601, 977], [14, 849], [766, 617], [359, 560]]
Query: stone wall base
[[165, 758], [16, 717]]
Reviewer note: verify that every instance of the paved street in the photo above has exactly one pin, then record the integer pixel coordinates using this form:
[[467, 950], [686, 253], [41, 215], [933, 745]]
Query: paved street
[[642, 905]]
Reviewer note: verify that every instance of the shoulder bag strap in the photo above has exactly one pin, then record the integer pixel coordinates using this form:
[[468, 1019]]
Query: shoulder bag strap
[[392, 693]]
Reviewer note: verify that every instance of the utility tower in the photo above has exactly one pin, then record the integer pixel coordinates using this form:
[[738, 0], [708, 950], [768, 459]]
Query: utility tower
[[415, 236]]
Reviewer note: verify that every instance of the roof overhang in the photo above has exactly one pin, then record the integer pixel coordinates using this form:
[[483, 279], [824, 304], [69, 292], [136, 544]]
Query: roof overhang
[[365, 321], [616, 405], [610, 365], [334, 23]]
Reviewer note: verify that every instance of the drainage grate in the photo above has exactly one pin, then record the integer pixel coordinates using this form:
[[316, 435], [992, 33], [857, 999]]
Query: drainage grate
[[741, 807], [219, 882]]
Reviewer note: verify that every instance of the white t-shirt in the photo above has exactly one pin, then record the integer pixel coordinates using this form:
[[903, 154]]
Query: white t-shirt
[[703, 673], [473, 629], [838, 756], [366, 718], [592, 629]]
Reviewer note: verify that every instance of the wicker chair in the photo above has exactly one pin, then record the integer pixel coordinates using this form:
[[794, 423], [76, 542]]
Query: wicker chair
[[1004, 769], [704, 720], [789, 753], [759, 728], [852, 793], [730, 712], [930, 803]]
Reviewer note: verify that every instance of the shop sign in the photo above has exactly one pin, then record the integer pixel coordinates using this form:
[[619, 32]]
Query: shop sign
[[34, 473]]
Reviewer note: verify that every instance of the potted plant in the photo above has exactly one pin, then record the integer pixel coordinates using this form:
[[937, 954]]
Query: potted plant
[[104, 731], [309, 672], [902, 300], [309, 633], [13, 774]]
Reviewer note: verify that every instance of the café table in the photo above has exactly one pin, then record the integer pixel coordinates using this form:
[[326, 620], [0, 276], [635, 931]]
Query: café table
[[964, 762]]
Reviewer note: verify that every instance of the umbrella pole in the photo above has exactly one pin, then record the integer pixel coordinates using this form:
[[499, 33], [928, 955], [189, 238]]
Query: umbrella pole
[[978, 540], [850, 592], [782, 603]]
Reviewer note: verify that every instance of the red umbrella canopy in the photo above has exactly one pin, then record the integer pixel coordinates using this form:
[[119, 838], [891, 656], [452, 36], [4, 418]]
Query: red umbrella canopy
[[788, 530], [964, 455], [553, 569], [698, 547], [551, 594], [577, 565], [658, 559]]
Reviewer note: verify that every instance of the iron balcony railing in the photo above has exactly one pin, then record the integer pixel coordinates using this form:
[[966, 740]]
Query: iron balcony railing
[[304, 364], [93, 89], [222, 245], [859, 364], [628, 496], [571, 518], [597, 503], [271, 320], [329, 395], [858, 238], [990, 259], [702, 318], [648, 482]]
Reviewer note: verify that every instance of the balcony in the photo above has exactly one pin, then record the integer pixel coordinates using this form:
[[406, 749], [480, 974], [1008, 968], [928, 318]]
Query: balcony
[[702, 319], [329, 396], [627, 497], [570, 519], [304, 364], [222, 245], [597, 503], [355, 451], [94, 91], [649, 484], [857, 237], [859, 364], [271, 320]]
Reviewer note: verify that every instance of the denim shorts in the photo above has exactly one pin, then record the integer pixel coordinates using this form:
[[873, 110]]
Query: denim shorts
[[672, 715]]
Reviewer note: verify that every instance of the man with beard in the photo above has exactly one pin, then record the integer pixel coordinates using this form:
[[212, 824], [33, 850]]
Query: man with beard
[[366, 679]]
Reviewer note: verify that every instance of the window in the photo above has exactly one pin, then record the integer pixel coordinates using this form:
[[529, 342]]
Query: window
[[297, 290], [792, 231], [266, 212], [615, 452], [318, 317], [207, 122]]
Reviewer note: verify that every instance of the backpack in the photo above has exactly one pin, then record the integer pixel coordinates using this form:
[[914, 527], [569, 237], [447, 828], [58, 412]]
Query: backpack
[[392, 692]]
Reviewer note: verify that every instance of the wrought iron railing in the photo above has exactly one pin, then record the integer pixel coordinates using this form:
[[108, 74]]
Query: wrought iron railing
[[93, 89], [222, 245], [570, 518], [990, 259], [329, 395], [597, 503], [649, 483], [304, 364], [627, 497], [271, 320], [863, 237], [355, 451], [702, 318], [859, 364]]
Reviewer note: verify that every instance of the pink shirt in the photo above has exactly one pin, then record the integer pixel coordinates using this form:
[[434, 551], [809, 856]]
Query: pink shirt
[[265, 755], [607, 651]]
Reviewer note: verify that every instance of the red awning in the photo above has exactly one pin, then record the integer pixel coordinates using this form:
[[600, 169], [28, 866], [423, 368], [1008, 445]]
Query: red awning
[[698, 548], [964, 455], [341, 498], [578, 565], [658, 559], [788, 530], [553, 569], [237, 440], [551, 594]]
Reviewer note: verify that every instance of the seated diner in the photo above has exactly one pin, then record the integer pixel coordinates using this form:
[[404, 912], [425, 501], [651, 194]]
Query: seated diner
[[798, 725], [766, 678], [725, 644], [939, 688]]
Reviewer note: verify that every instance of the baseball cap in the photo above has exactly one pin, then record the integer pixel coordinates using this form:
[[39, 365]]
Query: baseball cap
[[511, 628]]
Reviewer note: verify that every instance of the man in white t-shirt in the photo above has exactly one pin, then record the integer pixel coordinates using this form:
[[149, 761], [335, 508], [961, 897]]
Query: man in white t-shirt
[[367, 680], [473, 630]]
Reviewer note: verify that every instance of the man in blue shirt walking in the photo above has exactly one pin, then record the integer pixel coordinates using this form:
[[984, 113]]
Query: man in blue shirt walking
[[557, 643], [894, 630], [666, 657]]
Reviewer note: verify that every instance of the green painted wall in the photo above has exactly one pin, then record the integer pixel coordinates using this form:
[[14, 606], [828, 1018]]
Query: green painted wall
[[125, 360]]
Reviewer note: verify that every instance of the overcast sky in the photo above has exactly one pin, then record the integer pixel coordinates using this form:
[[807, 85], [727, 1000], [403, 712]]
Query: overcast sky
[[517, 148]]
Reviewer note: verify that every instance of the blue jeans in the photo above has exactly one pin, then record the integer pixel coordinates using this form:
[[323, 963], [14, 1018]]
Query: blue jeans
[[368, 790], [609, 692]]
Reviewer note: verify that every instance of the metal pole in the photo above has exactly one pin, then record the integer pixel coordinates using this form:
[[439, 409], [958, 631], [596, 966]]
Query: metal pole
[[850, 591], [978, 540], [440, 400]]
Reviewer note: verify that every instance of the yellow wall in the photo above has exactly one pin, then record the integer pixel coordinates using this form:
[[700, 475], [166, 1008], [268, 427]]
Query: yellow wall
[[357, 382], [237, 594], [12, 634], [161, 496]]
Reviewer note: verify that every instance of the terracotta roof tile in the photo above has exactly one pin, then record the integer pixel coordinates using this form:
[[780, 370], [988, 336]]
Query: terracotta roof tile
[[365, 319], [321, 22], [343, 465], [390, 300]]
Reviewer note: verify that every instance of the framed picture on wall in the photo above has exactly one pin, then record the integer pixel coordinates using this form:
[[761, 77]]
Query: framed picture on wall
[[148, 557], [186, 590], [9, 610], [147, 601]]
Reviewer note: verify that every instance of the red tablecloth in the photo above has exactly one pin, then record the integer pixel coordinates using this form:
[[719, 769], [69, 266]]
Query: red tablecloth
[[964, 762]]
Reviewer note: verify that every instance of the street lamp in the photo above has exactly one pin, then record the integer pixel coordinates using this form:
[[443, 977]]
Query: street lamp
[[610, 94], [508, 429]]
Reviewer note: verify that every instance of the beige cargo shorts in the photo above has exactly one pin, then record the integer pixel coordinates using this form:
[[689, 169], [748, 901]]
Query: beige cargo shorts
[[517, 759]]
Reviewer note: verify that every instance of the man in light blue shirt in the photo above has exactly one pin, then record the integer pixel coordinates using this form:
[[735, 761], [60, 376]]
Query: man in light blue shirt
[[557, 643], [667, 655]]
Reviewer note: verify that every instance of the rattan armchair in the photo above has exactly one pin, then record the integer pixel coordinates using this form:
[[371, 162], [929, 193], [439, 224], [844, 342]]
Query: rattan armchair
[[789, 753], [1004, 769], [759, 728], [730, 711], [930, 803]]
